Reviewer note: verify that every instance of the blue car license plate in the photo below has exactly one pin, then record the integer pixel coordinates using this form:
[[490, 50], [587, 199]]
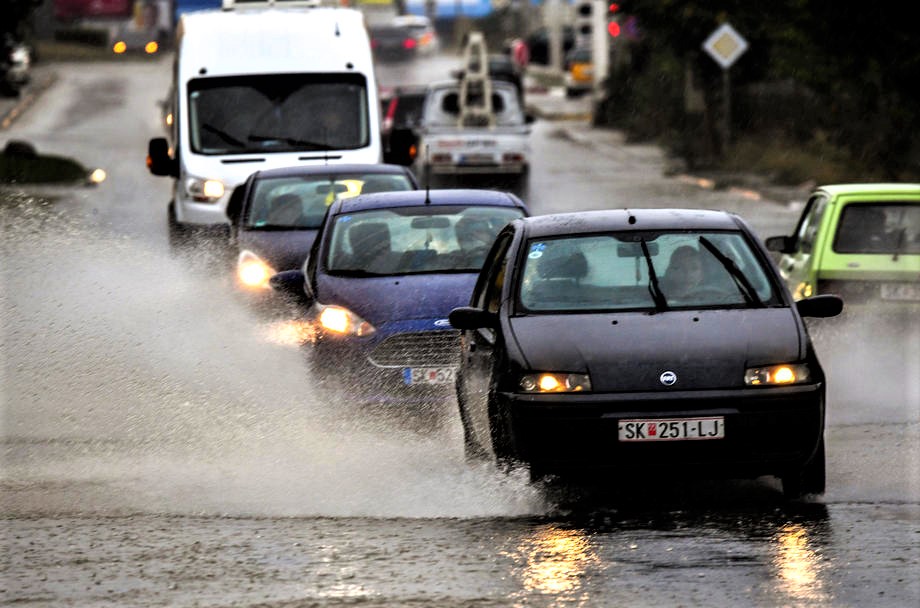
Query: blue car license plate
[[428, 375]]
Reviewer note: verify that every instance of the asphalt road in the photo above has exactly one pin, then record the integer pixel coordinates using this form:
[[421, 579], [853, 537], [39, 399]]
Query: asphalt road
[[161, 448]]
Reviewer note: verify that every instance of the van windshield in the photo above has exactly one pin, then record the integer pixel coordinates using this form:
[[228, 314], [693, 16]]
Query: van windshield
[[278, 113]]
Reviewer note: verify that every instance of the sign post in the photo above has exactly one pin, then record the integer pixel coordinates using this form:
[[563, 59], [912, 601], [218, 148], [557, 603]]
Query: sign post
[[725, 45]]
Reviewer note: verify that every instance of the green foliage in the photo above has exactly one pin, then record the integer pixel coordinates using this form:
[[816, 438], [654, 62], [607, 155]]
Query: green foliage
[[853, 69]]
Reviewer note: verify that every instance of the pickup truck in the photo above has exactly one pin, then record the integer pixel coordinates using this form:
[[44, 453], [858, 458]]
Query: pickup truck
[[488, 140]]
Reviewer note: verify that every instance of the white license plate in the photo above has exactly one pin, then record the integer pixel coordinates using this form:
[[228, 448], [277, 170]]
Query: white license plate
[[672, 429], [477, 159], [428, 375], [900, 291]]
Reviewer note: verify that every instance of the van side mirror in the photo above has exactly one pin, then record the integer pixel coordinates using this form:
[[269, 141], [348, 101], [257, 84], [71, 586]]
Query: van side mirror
[[158, 159], [827, 305], [781, 244]]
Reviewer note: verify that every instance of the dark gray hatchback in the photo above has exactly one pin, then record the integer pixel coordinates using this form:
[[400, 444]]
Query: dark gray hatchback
[[627, 342]]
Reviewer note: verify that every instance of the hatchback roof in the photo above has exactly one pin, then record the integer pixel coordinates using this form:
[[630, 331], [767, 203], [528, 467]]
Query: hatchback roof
[[417, 198], [630, 219], [880, 188]]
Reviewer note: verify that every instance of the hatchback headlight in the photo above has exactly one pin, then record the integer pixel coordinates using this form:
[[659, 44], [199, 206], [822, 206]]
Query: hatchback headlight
[[771, 375], [551, 382], [204, 190], [339, 320], [252, 271]]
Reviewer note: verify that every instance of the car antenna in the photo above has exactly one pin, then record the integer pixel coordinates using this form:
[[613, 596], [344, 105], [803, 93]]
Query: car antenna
[[427, 176], [631, 218]]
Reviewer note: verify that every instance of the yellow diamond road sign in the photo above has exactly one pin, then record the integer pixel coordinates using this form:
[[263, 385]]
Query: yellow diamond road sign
[[725, 45]]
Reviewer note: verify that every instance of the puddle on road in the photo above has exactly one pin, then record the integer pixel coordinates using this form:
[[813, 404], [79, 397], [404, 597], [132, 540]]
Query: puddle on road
[[133, 383]]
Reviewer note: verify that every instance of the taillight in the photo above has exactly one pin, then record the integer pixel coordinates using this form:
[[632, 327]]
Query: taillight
[[409, 44], [391, 114]]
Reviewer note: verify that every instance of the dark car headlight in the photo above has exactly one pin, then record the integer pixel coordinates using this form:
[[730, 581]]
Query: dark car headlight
[[554, 382], [772, 375]]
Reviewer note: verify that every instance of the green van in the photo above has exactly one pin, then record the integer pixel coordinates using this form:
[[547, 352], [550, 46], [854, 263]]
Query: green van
[[858, 241]]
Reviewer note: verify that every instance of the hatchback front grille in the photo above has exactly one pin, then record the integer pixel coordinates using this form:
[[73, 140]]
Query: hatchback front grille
[[422, 349]]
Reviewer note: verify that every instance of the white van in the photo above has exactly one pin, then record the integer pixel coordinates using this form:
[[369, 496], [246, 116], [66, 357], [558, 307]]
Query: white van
[[259, 85]]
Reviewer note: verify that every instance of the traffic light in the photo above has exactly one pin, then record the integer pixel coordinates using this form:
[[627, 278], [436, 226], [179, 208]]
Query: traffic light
[[584, 22], [613, 19]]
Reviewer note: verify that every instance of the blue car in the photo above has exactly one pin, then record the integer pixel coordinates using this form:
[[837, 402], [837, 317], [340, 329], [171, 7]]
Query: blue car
[[384, 272], [275, 214]]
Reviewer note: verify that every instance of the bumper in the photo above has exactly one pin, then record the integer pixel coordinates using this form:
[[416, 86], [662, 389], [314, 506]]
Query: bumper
[[767, 431], [381, 371], [493, 169]]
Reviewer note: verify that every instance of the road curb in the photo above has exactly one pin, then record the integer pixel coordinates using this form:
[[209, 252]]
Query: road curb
[[40, 84]]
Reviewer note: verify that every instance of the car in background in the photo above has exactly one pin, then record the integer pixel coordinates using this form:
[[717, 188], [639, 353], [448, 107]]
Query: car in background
[[488, 143], [275, 214], [860, 241], [390, 42], [641, 343], [381, 278], [402, 117], [15, 65], [579, 71], [426, 37]]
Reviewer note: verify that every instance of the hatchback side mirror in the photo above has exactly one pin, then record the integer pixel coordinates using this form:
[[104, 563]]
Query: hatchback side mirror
[[468, 317], [826, 305]]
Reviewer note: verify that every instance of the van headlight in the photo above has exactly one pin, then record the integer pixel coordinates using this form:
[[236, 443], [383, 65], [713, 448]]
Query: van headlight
[[773, 375], [204, 190], [551, 382], [252, 271]]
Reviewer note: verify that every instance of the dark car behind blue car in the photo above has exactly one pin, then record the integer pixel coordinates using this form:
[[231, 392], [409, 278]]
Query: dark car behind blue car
[[383, 274], [275, 214]]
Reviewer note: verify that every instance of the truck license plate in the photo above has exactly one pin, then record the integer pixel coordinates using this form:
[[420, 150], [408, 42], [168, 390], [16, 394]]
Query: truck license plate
[[672, 429]]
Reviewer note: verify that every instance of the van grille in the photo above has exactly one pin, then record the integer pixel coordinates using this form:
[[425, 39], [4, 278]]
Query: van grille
[[423, 349]]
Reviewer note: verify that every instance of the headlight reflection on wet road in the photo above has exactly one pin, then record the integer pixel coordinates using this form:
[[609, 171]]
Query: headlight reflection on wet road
[[555, 562], [798, 566]]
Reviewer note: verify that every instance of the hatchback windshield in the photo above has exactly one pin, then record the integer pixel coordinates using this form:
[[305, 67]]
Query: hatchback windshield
[[301, 202], [278, 113], [410, 240], [634, 270]]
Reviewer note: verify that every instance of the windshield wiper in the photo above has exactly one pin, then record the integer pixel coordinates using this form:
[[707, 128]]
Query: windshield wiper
[[661, 303], [356, 272], [313, 145], [222, 134], [741, 282]]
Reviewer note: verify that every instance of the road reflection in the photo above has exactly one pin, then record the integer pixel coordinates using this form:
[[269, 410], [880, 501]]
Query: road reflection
[[799, 565], [554, 563]]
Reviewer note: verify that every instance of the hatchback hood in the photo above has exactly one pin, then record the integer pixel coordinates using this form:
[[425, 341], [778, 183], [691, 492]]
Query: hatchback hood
[[397, 298], [281, 249], [629, 352]]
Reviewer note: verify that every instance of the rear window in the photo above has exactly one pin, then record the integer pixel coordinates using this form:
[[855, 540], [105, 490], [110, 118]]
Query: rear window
[[301, 202], [885, 228]]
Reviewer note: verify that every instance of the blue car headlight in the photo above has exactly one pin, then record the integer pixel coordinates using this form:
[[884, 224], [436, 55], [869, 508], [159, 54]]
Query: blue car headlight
[[341, 321]]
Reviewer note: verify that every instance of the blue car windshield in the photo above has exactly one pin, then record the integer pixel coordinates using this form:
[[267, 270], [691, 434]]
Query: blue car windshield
[[414, 240], [632, 270], [300, 202]]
